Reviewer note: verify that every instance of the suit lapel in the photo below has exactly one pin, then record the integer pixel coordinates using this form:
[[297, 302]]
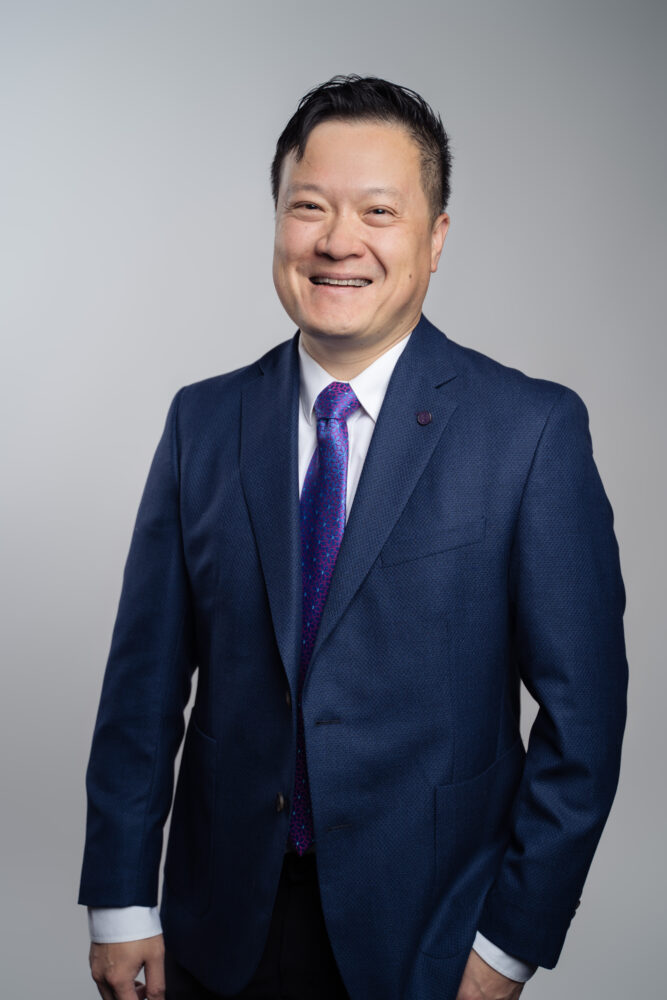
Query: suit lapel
[[399, 451], [270, 477]]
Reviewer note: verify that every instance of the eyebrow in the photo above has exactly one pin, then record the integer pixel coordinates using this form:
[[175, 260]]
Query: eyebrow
[[391, 191]]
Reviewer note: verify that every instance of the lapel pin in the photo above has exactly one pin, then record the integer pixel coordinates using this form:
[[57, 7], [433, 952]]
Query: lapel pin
[[424, 418]]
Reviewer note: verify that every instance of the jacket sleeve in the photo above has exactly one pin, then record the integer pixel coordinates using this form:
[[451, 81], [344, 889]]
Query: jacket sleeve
[[568, 600], [146, 686]]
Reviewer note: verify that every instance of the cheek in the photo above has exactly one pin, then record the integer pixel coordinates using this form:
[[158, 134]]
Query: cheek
[[404, 270], [293, 242], [416, 268], [402, 260]]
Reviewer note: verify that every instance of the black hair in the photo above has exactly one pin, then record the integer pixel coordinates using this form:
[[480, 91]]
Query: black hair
[[369, 98]]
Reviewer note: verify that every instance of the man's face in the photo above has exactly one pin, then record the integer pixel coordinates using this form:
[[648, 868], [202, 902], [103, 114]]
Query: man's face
[[354, 208]]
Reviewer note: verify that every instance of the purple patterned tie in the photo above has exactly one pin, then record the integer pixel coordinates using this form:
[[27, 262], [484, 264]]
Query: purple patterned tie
[[322, 525]]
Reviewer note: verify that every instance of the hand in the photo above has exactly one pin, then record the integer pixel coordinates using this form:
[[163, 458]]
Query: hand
[[481, 982], [114, 967]]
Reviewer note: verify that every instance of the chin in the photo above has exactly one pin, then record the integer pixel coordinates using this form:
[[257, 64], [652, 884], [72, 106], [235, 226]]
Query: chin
[[333, 325], [331, 331]]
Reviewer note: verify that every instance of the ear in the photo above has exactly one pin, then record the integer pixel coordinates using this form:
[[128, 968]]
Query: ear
[[438, 233]]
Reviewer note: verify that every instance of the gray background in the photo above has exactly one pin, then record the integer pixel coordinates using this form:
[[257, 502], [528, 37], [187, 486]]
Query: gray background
[[136, 227]]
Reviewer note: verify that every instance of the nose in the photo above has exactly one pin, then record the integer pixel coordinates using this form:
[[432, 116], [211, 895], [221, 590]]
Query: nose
[[339, 239]]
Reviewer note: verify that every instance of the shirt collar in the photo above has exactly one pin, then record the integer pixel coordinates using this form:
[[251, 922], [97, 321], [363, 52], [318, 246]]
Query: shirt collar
[[369, 386]]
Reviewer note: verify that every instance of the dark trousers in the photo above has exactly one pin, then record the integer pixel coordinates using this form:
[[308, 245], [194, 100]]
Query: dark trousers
[[297, 963]]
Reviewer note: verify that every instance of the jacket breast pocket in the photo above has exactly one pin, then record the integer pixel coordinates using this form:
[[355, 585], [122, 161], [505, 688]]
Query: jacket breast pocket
[[452, 536], [189, 851]]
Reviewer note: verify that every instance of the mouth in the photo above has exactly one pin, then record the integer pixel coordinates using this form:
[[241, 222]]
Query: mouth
[[340, 282]]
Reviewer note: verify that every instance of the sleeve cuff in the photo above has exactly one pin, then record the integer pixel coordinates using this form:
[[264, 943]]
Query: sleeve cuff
[[110, 925], [499, 960]]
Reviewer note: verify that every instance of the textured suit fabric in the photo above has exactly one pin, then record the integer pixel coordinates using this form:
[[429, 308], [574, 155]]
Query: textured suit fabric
[[479, 551], [297, 961]]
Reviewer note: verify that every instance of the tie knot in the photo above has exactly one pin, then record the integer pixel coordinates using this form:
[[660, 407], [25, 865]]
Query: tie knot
[[337, 401]]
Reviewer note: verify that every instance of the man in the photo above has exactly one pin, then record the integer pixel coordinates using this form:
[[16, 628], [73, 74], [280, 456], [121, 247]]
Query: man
[[363, 542]]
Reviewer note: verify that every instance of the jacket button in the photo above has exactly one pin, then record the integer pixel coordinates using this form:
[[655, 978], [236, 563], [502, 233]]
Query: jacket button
[[281, 802], [288, 698]]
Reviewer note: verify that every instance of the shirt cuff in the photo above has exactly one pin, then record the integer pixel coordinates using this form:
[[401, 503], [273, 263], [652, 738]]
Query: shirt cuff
[[110, 925], [499, 960]]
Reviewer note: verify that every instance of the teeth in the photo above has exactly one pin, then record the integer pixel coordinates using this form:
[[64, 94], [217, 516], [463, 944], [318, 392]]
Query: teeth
[[357, 282]]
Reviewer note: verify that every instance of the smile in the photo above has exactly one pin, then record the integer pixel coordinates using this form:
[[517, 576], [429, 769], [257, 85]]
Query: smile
[[344, 282]]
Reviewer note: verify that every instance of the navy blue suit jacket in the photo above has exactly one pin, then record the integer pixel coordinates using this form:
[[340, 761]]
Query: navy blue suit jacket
[[479, 552]]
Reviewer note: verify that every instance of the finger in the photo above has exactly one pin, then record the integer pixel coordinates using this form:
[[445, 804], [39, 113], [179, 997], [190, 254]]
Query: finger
[[103, 987], [104, 991], [97, 972], [155, 982], [123, 989]]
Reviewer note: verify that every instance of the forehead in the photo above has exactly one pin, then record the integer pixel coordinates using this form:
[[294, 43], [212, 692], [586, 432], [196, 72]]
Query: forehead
[[346, 156]]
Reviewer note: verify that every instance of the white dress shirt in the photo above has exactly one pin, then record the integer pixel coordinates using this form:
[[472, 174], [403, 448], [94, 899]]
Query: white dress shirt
[[132, 923]]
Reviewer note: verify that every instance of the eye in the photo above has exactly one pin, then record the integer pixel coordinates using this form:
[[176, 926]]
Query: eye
[[380, 213], [306, 204]]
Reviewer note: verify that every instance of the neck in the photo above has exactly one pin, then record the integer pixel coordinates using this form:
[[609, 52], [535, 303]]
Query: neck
[[343, 360]]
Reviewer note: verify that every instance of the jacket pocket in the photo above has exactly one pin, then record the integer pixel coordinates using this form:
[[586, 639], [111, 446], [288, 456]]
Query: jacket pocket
[[472, 827], [453, 536], [189, 850]]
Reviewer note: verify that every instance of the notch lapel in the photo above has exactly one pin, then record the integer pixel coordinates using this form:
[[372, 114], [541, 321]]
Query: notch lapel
[[270, 478], [398, 453]]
